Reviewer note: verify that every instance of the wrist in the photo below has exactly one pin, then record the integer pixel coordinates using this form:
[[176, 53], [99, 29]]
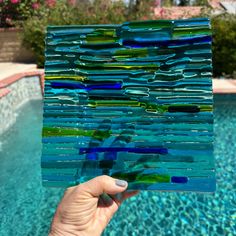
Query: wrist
[[62, 230], [57, 230]]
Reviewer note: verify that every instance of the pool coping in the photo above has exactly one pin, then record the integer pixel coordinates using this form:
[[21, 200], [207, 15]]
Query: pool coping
[[5, 82], [224, 86]]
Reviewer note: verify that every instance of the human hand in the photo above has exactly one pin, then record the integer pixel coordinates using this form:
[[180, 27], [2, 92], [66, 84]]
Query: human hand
[[86, 209]]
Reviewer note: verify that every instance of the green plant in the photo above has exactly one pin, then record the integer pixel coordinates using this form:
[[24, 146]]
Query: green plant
[[15, 12], [201, 3], [85, 12], [224, 44]]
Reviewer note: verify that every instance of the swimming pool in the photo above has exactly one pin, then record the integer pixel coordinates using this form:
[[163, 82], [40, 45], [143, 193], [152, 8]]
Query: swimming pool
[[26, 208]]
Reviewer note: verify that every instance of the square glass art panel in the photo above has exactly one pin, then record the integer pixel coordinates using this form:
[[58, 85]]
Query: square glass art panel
[[132, 101]]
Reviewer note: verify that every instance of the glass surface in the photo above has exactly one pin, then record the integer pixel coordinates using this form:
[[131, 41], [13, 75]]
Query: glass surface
[[133, 101], [26, 208]]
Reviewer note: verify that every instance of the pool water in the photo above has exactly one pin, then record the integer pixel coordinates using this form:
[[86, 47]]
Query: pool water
[[26, 208]]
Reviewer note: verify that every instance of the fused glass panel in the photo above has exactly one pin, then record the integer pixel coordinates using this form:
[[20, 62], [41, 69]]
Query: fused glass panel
[[133, 101]]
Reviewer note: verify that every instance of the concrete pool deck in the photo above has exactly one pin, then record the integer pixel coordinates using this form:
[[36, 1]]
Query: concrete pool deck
[[224, 86], [9, 68]]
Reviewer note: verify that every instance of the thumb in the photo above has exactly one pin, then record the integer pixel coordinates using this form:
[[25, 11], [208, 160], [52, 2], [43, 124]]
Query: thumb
[[101, 187], [104, 184]]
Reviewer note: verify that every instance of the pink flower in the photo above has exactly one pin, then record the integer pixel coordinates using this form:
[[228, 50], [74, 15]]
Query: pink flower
[[8, 21], [35, 5], [14, 1], [72, 2], [50, 3]]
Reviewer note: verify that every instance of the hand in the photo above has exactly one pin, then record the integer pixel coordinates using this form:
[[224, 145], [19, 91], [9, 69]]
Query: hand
[[86, 209]]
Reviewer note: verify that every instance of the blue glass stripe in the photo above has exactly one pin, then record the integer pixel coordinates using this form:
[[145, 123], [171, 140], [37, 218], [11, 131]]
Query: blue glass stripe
[[179, 179], [84, 86], [134, 150], [133, 43]]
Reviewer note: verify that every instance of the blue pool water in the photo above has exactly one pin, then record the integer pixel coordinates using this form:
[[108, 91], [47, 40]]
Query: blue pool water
[[26, 208]]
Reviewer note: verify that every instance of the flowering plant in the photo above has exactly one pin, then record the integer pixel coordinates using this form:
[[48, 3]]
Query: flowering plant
[[15, 12], [12, 11], [79, 12]]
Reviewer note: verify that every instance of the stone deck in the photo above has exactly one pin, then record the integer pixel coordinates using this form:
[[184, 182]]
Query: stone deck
[[224, 86], [8, 69]]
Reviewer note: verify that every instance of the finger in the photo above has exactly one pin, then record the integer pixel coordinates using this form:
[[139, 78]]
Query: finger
[[103, 184], [69, 190]]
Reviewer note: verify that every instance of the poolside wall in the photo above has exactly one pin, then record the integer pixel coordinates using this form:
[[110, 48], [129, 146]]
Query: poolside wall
[[14, 92], [12, 49]]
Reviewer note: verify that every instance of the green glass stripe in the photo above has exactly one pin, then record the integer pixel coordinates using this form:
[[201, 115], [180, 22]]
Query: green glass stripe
[[97, 134]]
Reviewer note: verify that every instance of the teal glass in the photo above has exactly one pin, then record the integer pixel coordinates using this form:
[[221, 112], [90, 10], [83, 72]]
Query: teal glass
[[133, 101]]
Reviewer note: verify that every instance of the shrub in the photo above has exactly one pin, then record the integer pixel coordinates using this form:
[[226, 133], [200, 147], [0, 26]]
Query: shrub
[[85, 12], [34, 28], [14, 12], [224, 45]]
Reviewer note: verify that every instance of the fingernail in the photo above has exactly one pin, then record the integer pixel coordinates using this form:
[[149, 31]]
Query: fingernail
[[121, 183]]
